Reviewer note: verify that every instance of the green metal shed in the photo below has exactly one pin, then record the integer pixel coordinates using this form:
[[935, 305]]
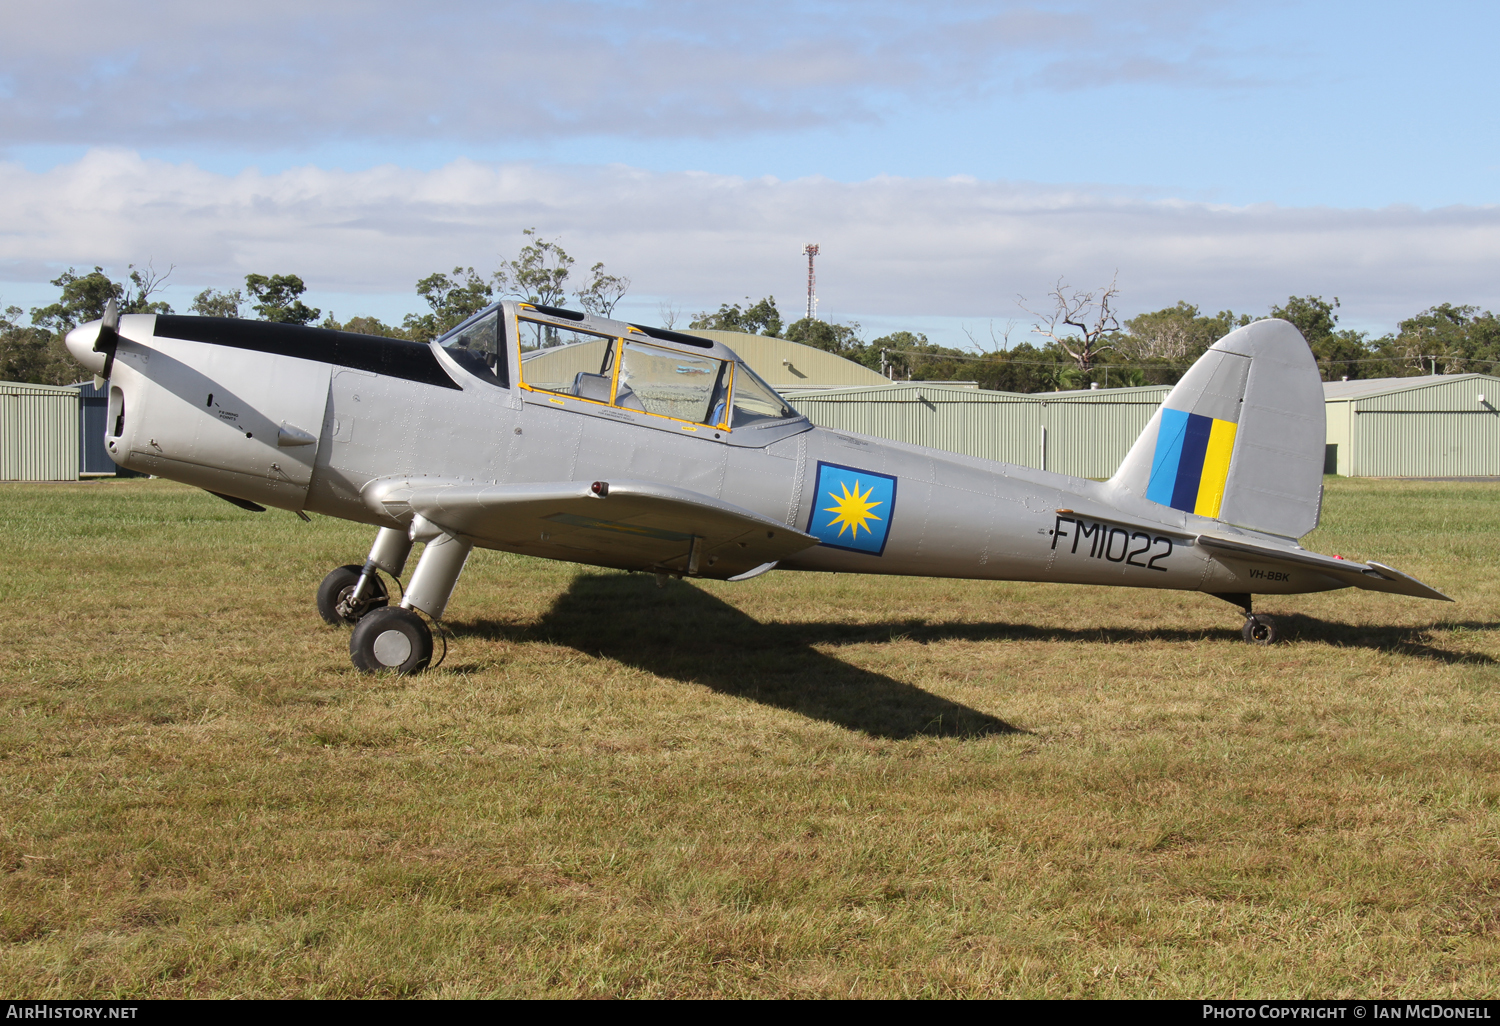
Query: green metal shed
[[1438, 425], [38, 432], [1083, 433]]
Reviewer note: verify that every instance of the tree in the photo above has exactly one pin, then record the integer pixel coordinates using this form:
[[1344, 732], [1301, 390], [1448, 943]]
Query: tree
[[1164, 343], [453, 298], [147, 283], [1178, 333], [1312, 315], [84, 297], [602, 292], [1088, 314], [31, 354], [841, 339], [1447, 338], [539, 273], [759, 318], [212, 303], [277, 298], [371, 326], [908, 355], [1022, 368], [1339, 352]]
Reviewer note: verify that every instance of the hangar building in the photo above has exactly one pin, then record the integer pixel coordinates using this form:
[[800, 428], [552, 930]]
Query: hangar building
[[1439, 425], [38, 432], [1085, 434]]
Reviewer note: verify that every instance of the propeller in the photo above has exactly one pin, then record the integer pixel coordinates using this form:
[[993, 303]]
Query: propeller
[[107, 341]]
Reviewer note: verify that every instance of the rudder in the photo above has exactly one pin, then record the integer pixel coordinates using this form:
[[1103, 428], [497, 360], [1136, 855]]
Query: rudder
[[1241, 437]]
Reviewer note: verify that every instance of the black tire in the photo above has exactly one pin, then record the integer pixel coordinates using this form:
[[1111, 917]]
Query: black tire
[[1260, 630], [336, 587], [391, 638]]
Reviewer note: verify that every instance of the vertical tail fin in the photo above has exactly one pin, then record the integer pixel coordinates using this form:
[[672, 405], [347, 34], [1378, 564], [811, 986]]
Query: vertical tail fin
[[1241, 437]]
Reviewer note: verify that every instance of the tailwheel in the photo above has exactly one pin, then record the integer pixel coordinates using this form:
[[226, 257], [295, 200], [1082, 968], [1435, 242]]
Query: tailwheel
[[1260, 630], [391, 638], [336, 602]]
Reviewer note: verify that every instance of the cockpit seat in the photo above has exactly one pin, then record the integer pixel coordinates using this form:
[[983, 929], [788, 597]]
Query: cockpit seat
[[591, 386]]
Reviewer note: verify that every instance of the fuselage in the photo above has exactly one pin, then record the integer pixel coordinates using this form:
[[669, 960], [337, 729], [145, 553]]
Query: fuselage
[[317, 421]]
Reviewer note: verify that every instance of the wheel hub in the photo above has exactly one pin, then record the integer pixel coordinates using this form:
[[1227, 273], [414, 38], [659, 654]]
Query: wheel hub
[[392, 648]]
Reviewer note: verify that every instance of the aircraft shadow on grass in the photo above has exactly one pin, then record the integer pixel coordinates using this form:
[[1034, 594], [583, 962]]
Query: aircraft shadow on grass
[[1402, 640], [686, 634]]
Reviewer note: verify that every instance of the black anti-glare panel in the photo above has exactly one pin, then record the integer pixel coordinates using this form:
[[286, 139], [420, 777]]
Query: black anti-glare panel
[[676, 336], [395, 357]]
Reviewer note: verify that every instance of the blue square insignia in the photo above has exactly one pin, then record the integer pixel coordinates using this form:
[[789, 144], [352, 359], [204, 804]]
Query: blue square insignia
[[852, 508]]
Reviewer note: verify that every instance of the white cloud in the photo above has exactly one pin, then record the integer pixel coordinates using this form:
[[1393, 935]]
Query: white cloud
[[283, 73], [891, 247]]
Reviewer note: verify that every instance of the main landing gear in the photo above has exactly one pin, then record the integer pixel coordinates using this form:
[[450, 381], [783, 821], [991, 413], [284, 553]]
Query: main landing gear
[[1259, 629], [387, 637]]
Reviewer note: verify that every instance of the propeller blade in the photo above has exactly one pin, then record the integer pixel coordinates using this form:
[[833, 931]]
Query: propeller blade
[[109, 337]]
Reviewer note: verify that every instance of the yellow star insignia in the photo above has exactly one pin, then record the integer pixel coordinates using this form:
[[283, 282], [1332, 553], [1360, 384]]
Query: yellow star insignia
[[853, 509]]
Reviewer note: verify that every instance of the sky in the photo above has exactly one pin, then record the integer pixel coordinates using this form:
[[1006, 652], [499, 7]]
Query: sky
[[953, 160]]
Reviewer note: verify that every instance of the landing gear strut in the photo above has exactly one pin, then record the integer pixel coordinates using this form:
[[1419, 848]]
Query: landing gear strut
[[348, 593], [1259, 629], [341, 600], [390, 637]]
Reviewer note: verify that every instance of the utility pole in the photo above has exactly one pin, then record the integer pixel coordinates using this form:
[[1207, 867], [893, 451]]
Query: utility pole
[[811, 250]]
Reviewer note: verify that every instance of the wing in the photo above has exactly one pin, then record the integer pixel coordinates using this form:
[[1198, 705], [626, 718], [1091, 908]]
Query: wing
[[1371, 576], [631, 525]]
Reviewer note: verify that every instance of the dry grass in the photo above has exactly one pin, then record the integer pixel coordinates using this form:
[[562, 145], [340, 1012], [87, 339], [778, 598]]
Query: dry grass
[[803, 785]]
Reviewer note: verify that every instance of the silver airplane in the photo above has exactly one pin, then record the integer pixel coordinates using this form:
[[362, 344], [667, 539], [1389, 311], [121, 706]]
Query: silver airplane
[[552, 433]]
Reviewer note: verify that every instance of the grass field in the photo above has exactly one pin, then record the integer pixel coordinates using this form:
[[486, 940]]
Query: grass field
[[798, 786]]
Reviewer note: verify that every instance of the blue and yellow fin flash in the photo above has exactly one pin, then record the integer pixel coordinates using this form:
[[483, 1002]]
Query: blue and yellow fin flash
[[1191, 463]]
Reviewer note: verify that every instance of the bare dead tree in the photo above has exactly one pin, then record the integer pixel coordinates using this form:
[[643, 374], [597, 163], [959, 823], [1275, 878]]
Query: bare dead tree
[[1089, 314], [997, 341], [669, 313]]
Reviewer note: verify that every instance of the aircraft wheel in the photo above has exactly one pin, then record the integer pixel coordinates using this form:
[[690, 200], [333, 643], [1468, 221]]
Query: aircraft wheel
[[1260, 630], [338, 586], [391, 638]]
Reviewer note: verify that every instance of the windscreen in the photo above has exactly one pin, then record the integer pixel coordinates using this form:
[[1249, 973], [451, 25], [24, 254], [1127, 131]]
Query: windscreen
[[479, 348], [755, 401]]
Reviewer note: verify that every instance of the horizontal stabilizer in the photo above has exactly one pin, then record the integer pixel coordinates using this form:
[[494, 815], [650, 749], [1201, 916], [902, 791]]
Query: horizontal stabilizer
[[632, 525], [1371, 576]]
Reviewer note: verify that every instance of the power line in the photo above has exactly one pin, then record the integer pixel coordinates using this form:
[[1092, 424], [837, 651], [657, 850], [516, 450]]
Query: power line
[[999, 357]]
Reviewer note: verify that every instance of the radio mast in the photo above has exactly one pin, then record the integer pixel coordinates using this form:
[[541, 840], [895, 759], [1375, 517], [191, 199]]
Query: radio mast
[[811, 249]]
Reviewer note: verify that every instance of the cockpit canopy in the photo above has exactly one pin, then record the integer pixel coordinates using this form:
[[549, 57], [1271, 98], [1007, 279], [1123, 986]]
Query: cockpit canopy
[[628, 370]]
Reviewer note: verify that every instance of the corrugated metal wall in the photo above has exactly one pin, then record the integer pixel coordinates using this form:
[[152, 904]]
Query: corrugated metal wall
[[38, 433], [991, 425], [1428, 429], [1086, 434], [1089, 433], [1424, 443], [93, 457]]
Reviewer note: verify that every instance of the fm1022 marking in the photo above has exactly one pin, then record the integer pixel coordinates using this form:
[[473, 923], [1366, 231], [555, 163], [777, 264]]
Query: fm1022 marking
[[1115, 544]]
